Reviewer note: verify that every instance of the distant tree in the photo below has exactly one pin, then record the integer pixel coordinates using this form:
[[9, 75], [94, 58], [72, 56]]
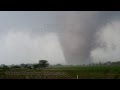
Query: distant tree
[[4, 66], [58, 65], [43, 63], [15, 66], [36, 66], [29, 66], [22, 65]]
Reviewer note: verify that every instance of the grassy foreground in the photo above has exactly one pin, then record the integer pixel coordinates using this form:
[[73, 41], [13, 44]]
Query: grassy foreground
[[73, 72]]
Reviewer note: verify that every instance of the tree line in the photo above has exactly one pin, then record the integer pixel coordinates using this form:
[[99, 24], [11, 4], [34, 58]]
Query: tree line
[[40, 64]]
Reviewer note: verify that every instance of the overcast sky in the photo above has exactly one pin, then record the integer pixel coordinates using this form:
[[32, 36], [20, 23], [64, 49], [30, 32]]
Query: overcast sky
[[28, 36]]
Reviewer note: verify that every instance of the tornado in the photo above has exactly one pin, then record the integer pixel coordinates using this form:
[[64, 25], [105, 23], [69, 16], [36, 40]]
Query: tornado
[[77, 33]]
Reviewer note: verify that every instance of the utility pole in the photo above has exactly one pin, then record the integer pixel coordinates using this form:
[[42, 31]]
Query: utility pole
[[77, 76]]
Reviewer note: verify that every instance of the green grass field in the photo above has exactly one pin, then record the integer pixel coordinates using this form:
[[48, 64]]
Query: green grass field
[[83, 72]]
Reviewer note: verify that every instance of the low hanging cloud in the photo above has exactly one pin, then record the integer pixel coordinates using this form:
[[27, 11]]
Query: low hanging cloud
[[108, 41], [20, 46]]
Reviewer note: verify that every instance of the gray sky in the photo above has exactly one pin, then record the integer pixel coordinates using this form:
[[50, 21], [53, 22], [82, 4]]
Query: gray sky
[[26, 37], [66, 37]]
